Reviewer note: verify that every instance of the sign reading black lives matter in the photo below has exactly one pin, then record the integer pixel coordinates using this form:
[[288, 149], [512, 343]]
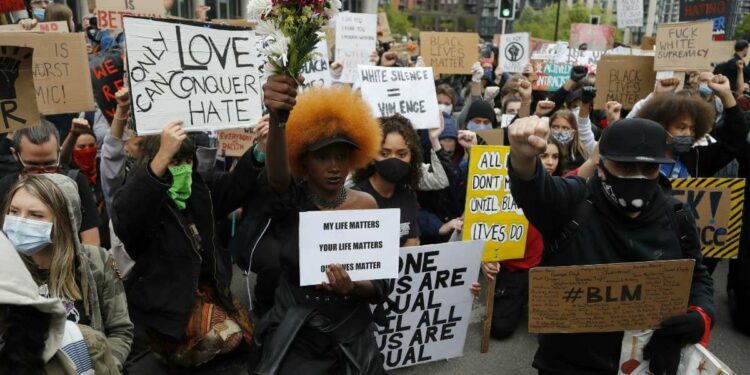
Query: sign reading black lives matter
[[432, 309], [207, 77], [406, 91], [364, 242]]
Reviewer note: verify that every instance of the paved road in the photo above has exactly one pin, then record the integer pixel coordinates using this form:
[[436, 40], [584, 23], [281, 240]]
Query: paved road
[[514, 355]]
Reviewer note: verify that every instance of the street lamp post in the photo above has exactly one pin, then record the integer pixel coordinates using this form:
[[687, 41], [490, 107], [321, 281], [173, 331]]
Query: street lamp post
[[557, 19]]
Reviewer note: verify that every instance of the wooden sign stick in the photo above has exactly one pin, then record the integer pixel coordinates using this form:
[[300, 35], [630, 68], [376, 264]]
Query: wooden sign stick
[[488, 315]]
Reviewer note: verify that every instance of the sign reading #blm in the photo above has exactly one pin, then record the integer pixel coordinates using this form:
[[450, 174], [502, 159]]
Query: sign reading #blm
[[206, 77]]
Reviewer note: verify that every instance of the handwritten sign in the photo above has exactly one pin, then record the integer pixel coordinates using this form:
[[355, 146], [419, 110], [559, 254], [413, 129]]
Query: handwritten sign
[[432, 309], [107, 69], [596, 37], [407, 91], [449, 53], [17, 100], [60, 70], [365, 242], [317, 71], [491, 214], [355, 42], [608, 297], [41, 27], [716, 204], [683, 46], [626, 79], [206, 77], [235, 142], [514, 52], [110, 13], [629, 13]]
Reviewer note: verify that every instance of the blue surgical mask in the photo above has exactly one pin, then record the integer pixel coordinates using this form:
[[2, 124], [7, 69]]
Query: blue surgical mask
[[704, 90], [27, 236], [39, 14], [473, 126]]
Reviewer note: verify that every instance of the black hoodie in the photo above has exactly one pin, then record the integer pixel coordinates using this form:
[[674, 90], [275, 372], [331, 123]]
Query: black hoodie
[[606, 236]]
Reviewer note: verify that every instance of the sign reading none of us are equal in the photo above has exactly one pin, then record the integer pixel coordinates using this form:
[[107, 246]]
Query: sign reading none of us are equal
[[608, 297], [364, 242], [432, 303], [491, 213], [206, 77], [406, 91]]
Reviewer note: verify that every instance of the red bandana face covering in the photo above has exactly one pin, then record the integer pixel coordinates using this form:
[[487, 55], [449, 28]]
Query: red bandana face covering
[[85, 159]]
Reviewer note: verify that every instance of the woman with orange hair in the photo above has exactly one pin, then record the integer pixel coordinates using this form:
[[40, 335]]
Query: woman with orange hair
[[325, 329]]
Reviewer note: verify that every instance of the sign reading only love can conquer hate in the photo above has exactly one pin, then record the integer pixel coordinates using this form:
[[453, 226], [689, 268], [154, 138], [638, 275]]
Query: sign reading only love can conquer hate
[[179, 70]]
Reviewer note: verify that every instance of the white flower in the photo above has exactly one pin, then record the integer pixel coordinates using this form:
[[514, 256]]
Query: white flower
[[335, 8], [274, 44], [256, 9]]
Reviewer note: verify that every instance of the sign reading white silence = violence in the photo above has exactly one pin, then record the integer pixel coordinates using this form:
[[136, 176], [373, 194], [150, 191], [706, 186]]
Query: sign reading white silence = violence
[[208, 77], [364, 242], [430, 315], [406, 91]]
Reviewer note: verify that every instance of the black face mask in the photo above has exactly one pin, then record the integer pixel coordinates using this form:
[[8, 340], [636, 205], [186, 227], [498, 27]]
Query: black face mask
[[392, 170], [628, 194], [682, 144]]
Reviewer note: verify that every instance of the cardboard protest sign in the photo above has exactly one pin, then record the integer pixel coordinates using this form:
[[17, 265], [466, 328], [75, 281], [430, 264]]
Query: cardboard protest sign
[[407, 91], [41, 27], [491, 213], [107, 70], [317, 71], [110, 13], [60, 70], [608, 297], [716, 204], [449, 53], [355, 42], [365, 242], [18, 107], [720, 51], [514, 52], [235, 142], [629, 13], [206, 77], [492, 137], [626, 79], [648, 43], [384, 29], [432, 309], [683, 46], [596, 37]]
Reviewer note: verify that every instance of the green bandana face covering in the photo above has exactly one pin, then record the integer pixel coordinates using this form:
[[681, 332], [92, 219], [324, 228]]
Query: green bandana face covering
[[182, 181]]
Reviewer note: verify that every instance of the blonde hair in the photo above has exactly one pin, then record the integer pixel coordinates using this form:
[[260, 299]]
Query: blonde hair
[[575, 149], [62, 281]]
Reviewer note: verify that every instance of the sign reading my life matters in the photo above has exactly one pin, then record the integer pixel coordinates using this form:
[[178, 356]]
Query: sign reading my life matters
[[432, 304], [406, 91], [365, 242], [608, 297], [206, 77], [491, 213]]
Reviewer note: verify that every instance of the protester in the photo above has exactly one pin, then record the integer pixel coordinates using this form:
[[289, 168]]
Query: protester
[[164, 215], [40, 217], [735, 65], [567, 132], [327, 329], [623, 202]]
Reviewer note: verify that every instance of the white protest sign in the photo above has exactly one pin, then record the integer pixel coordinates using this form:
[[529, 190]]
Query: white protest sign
[[505, 120], [365, 242], [407, 91], [629, 13], [514, 52], [206, 77], [355, 42], [317, 71], [432, 306]]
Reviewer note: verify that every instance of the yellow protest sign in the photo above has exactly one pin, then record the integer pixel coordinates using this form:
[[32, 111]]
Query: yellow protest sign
[[716, 204], [491, 214]]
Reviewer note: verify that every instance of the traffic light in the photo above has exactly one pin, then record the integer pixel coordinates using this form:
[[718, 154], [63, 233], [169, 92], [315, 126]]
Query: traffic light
[[506, 9]]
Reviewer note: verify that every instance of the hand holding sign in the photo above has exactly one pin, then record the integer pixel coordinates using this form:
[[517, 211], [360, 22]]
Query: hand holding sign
[[279, 93], [339, 281], [28, 24]]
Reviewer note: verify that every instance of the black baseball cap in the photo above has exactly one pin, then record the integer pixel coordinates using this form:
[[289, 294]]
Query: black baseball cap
[[635, 140], [325, 142]]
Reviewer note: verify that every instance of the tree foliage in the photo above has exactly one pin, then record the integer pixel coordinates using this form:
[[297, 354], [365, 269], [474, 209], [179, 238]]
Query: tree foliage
[[399, 22], [742, 31], [541, 23]]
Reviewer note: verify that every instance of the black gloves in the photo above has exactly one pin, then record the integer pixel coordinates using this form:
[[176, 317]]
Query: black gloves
[[588, 94], [663, 350], [578, 73]]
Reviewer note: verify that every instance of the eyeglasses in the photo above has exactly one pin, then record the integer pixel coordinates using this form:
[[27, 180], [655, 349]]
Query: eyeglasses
[[45, 2], [39, 169]]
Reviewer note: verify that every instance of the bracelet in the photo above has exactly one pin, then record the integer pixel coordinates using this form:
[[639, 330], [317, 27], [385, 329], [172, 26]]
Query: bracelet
[[121, 118]]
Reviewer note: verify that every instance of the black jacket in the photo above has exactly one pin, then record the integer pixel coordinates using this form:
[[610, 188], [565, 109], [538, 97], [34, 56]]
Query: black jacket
[[731, 142], [606, 236], [169, 260]]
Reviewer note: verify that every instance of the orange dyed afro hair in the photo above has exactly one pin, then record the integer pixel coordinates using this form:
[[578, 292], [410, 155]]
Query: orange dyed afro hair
[[322, 113]]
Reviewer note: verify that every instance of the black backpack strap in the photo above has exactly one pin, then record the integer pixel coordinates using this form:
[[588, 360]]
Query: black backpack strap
[[582, 214]]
